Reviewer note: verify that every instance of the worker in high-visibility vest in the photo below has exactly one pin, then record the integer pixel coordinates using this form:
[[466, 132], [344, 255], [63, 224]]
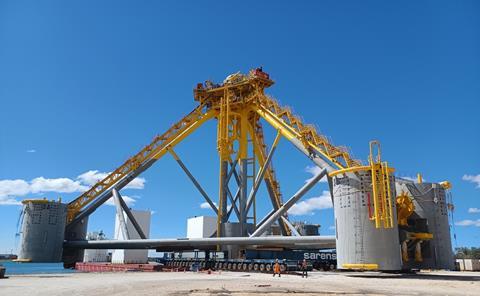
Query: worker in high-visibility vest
[[304, 268], [276, 268]]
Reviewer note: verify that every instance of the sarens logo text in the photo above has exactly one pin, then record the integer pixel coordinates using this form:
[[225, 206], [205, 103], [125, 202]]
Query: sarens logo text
[[320, 256]]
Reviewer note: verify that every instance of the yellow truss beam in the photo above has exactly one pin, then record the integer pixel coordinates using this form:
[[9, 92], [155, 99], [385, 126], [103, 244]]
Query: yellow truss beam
[[155, 150]]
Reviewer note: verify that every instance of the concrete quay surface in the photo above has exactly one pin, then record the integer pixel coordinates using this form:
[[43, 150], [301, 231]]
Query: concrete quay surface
[[238, 283]]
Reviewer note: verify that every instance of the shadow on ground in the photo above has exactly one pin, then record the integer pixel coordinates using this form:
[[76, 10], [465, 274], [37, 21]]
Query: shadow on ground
[[420, 276]]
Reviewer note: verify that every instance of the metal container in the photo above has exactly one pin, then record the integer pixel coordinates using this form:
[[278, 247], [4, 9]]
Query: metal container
[[43, 230], [307, 229], [431, 209], [358, 241]]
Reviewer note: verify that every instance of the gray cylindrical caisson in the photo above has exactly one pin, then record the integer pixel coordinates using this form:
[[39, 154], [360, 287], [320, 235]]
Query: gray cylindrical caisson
[[357, 239], [43, 230], [233, 229], [430, 204], [73, 232]]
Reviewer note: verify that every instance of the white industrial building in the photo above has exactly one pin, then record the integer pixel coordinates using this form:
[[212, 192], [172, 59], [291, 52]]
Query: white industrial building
[[201, 226], [132, 256]]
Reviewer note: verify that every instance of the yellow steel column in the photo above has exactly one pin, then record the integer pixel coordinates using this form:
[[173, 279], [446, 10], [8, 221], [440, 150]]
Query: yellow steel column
[[242, 155], [224, 152]]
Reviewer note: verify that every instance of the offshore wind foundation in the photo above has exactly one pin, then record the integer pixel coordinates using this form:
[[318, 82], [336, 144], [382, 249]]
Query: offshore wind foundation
[[382, 222]]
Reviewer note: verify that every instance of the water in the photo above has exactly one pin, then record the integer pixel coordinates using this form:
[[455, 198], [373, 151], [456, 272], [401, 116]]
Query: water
[[33, 268]]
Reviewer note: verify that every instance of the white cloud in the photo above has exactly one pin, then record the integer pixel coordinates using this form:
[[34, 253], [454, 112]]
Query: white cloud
[[12, 189], [332, 227], [310, 205], [129, 200], [31, 151], [93, 176], [137, 183], [206, 205], [314, 170], [472, 178], [7, 201], [60, 185], [474, 210], [475, 223]]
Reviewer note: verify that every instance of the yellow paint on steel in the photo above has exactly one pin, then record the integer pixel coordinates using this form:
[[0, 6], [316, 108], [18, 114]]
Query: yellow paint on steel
[[37, 201], [350, 170], [381, 191], [361, 266], [446, 185], [405, 208], [388, 198], [419, 178], [420, 236]]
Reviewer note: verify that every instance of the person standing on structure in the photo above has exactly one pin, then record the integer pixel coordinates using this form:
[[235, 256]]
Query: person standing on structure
[[304, 268], [276, 268]]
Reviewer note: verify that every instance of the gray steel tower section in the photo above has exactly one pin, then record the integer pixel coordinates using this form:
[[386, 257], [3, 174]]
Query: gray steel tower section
[[357, 239], [243, 211], [430, 204], [74, 231], [43, 231]]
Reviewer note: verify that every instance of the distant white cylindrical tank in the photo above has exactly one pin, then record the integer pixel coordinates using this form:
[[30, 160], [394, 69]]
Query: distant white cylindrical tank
[[431, 204], [43, 230], [93, 255], [358, 241]]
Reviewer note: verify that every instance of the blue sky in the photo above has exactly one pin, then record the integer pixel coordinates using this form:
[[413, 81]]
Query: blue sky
[[85, 85]]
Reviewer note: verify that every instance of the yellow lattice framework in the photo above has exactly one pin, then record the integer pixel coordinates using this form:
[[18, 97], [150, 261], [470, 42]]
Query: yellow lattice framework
[[238, 104]]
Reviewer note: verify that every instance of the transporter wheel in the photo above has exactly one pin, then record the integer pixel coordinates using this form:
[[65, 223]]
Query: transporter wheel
[[234, 266], [262, 267], [268, 267], [255, 267], [220, 265], [202, 265], [250, 267], [283, 267], [245, 266], [216, 265], [331, 267], [229, 266]]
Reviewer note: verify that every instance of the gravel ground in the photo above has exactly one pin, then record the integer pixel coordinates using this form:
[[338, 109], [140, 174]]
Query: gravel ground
[[237, 283]]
